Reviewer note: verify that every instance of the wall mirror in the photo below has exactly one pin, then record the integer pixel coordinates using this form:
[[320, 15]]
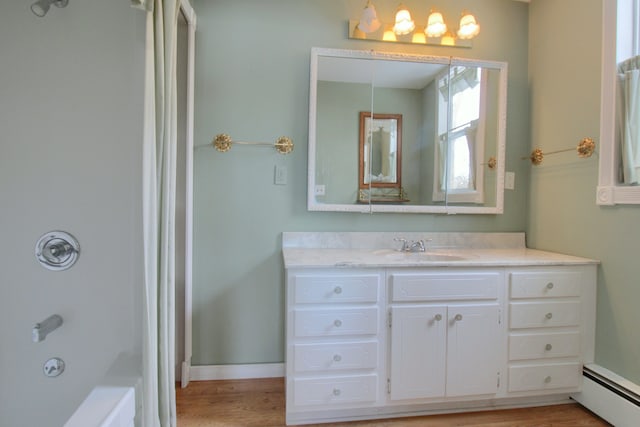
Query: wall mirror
[[380, 153], [393, 132]]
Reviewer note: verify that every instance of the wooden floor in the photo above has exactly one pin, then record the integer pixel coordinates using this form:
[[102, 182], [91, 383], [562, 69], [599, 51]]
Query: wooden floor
[[260, 403]]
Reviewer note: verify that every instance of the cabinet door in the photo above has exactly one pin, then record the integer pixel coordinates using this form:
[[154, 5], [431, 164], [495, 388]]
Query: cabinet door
[[418, 351], [473, 346]]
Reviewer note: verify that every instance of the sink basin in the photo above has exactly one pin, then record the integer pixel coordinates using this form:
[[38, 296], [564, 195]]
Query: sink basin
[[417, 256]]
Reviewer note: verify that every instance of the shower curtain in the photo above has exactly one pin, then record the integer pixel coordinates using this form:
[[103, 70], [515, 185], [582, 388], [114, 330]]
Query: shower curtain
[[629, 118], [159, 188]]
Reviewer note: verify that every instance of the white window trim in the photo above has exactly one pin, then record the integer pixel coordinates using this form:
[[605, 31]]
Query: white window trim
[[609, 190]]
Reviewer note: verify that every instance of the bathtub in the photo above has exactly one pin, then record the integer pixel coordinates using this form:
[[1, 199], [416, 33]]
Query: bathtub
[[116, 401]]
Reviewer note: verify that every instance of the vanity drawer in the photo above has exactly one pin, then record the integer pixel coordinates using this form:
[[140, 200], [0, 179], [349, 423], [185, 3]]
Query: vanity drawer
[[347, 288], [332, 322], [545, 376], [540, 346], [544, 314], [335, 390], [409, 287], [335, 356], [547, 284]]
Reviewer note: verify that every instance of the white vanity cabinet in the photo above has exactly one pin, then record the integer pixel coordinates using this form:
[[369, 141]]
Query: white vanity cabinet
[[446, 336], [334, 348], [378, 333], [551, 328]]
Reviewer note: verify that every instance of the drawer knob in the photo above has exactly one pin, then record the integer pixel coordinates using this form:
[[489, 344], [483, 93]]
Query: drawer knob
[[548, 347], [550, 285], [438, 317], [337, 323], [549, 315], [337, 290], [336, 392], [547, 379], [458, 317], [337, 358]]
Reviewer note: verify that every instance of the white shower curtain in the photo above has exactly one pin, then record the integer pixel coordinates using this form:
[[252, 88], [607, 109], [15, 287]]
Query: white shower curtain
[[159, 188], [629, 118]]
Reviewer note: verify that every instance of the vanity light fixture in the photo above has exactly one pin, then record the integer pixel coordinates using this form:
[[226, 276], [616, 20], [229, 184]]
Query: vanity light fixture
[[405, 30]]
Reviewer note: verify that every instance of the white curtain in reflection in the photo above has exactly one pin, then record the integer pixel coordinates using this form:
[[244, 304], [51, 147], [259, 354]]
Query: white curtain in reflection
[[470, 134], [629, 118]]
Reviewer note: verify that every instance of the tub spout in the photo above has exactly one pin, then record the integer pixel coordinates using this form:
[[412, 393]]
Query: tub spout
[[44, 328]]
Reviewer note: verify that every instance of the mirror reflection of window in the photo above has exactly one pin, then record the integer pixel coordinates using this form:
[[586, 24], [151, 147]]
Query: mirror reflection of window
[[461, 141]]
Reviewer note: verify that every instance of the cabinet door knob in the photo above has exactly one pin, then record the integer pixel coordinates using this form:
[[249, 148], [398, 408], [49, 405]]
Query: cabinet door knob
[[458, 317], [336, 392], [547, 379], [549, 315], [337, 290], [337, 323], [550, 285], [438, 317], [337, 358], [548, 347]]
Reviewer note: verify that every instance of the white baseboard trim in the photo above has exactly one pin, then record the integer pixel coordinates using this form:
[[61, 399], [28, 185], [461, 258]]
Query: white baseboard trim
[[611, 397], [185, 373], [236, 372]]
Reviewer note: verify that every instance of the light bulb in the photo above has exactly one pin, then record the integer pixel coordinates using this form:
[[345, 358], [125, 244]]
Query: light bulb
[[435, 25], [369, 19], [469, 28], [404, 23], [419, 36], [448, 39], [389, 35]]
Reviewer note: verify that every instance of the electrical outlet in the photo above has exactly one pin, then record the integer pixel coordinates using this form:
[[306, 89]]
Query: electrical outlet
[[319, 190], [509, 180], [280, 175]]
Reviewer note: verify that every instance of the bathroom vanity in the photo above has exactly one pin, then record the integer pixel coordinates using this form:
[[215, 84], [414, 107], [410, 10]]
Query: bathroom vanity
[[476, 321]]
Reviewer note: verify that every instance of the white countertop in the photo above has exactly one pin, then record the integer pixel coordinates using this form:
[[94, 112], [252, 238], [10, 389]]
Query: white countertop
[[322, 257], [368, 250]]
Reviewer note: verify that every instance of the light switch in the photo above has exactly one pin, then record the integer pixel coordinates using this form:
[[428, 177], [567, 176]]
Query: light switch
[[509, 180], [280, 175]]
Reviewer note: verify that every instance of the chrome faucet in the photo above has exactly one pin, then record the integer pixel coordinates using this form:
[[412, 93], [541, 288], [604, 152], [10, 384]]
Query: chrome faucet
[[44, 328], [417, 246]]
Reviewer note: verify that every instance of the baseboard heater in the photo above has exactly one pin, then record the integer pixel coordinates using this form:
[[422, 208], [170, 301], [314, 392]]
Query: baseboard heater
[[610, 396]]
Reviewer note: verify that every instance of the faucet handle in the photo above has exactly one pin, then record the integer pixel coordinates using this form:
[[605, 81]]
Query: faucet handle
[[405, 246]]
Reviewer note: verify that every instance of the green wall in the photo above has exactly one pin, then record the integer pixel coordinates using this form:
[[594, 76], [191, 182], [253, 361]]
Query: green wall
[[252, 82], [339, 105], [563, 215]]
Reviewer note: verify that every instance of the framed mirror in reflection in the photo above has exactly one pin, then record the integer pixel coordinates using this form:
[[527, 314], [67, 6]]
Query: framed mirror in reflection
[[449, 116], [380, 158]]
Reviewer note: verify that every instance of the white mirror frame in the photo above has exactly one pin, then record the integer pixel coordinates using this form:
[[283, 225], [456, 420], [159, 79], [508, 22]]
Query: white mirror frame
[[313, 205], [609, 191]]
